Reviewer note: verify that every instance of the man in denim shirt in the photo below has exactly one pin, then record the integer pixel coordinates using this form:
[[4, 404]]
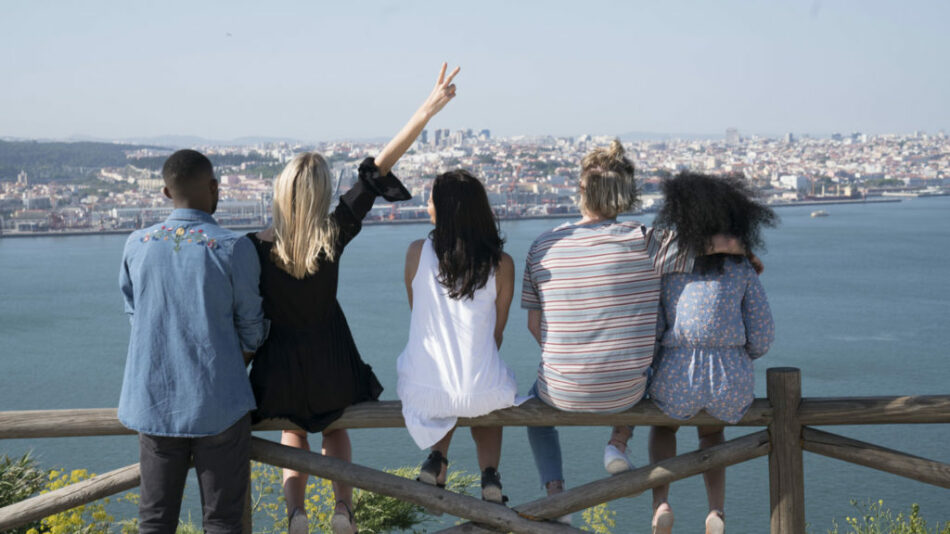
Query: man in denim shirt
[[191, 292]]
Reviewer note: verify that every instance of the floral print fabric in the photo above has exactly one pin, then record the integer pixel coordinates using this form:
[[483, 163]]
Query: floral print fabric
[[710, 326]]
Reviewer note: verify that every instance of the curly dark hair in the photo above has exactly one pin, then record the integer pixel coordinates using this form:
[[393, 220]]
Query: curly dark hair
[[466, 238], [699, 206]]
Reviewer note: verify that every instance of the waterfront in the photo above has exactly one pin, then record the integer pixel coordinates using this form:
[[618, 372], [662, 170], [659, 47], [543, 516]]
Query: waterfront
[[860, 301]]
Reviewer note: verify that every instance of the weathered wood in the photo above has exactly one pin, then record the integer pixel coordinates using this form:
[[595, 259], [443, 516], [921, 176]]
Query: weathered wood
[[883, 459], [467, 528], [71, 496], [875, 410], [403, 489], [632, 482], [387, 414], [786, 472], [60, 423]]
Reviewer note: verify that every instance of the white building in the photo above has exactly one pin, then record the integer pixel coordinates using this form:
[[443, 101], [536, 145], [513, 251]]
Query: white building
[[794, 181]]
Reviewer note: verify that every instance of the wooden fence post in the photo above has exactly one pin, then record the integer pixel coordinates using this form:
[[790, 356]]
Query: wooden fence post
[[786, 474]]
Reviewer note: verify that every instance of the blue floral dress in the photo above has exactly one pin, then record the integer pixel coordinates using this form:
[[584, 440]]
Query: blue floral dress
[[710, 327]]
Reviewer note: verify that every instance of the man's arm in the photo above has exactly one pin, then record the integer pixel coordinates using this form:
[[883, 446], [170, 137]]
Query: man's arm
[[249, 321], [534, 324], [125, 286]]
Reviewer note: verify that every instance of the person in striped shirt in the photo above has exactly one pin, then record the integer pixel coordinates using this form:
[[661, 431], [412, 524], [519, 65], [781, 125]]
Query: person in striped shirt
[[591, 289]]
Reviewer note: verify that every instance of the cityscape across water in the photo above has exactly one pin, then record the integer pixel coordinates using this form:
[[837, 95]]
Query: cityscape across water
[[860, 304], [102, 187]]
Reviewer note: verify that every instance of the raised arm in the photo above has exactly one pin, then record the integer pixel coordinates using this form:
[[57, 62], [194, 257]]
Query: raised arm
[[443, 91]]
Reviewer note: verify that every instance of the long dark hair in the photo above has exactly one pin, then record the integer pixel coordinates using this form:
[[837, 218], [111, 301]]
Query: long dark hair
[[699, 206], [466, 237]]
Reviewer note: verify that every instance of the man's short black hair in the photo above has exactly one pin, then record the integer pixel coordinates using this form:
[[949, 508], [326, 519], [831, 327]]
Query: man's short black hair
[[185, 169]]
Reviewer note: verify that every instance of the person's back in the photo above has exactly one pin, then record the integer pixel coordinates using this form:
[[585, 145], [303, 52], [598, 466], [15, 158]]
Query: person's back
[[597, 284], [184, 343], [191, 292], [450, 364], [713, 308]]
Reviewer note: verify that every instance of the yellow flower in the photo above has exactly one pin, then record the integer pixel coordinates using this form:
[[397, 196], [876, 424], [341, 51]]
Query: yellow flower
[[180, 231]]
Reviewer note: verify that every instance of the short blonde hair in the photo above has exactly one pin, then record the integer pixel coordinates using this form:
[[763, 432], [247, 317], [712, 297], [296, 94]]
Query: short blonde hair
[[607, 186], [303, 229]]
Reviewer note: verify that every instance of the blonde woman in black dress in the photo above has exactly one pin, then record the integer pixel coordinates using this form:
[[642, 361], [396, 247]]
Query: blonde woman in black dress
[[309, 369]]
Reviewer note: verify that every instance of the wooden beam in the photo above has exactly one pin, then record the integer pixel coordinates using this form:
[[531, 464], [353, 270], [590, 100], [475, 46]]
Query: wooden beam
[[875, 410], [386, 414], [633, 482], [61, 423], [786, 472], [71, 496], [888, 460], [431, 497]]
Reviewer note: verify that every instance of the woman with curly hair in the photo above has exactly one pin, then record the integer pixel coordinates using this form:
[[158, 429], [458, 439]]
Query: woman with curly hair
[[712, 322]]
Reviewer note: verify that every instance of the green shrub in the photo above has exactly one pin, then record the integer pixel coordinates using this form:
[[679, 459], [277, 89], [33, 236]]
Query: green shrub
[[20, 479], [874, 518]]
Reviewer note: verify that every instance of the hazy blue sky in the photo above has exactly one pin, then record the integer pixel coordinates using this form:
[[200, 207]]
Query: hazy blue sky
[[325, 70]]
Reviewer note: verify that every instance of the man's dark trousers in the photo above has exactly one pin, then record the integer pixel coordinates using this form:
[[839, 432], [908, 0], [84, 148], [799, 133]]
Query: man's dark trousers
[[222, 464]]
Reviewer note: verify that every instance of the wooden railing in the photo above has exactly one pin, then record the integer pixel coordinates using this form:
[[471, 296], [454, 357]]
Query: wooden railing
[[785, 414]]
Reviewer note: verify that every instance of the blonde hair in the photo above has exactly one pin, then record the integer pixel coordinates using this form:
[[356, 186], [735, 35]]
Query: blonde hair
[[607, 184], [303, 229]]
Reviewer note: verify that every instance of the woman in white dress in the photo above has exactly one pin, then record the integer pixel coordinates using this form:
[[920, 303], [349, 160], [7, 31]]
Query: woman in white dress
[[460, 286]]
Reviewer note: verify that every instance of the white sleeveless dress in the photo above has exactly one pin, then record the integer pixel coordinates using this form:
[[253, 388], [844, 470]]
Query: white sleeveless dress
[[450, 367]]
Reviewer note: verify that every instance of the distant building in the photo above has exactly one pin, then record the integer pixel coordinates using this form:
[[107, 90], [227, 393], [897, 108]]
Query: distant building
[[21, 179], [732, 136], [484, 135], [424, 137], [37, 203], [794, 181], [789, 138]]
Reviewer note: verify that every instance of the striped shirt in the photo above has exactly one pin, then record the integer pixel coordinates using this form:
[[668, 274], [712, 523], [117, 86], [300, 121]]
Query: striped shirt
[[598, 286]]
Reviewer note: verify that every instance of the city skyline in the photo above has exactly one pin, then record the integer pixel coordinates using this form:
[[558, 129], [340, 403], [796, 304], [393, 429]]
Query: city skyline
[[110, 70]]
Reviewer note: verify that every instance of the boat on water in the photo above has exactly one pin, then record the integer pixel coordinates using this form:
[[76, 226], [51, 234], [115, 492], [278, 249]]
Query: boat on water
[[819, 213]]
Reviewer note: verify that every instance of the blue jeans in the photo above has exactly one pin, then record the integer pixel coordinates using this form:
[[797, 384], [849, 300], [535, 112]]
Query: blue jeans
[[546, 448]]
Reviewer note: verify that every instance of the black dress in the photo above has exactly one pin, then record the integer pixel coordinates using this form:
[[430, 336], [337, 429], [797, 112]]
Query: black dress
[[309, 370]]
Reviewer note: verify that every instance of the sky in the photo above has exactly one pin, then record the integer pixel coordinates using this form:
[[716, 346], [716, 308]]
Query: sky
[[323, 70]]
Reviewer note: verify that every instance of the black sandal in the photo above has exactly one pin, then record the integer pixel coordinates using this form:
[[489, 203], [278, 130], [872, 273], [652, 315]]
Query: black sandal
[[432, 468], [491, 486]]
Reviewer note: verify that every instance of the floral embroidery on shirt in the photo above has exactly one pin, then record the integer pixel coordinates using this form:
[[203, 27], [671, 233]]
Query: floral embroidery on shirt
[[180, 235]]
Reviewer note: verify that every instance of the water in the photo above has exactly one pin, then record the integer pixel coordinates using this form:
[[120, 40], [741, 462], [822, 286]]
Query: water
[[860, 298]]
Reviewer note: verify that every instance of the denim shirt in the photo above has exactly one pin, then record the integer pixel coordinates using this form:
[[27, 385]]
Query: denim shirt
[[191, 290]]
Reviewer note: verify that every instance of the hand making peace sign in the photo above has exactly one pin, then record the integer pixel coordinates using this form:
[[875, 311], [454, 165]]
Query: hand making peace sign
[[443, 91]]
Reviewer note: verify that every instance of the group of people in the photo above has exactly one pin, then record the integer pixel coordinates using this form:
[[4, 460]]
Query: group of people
[[619, 310]]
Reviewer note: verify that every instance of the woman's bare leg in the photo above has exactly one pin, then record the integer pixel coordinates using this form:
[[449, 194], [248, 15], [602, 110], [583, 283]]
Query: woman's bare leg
[[662, 446], [715, 478], [336, 444], [488, 445], [295, 482]]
